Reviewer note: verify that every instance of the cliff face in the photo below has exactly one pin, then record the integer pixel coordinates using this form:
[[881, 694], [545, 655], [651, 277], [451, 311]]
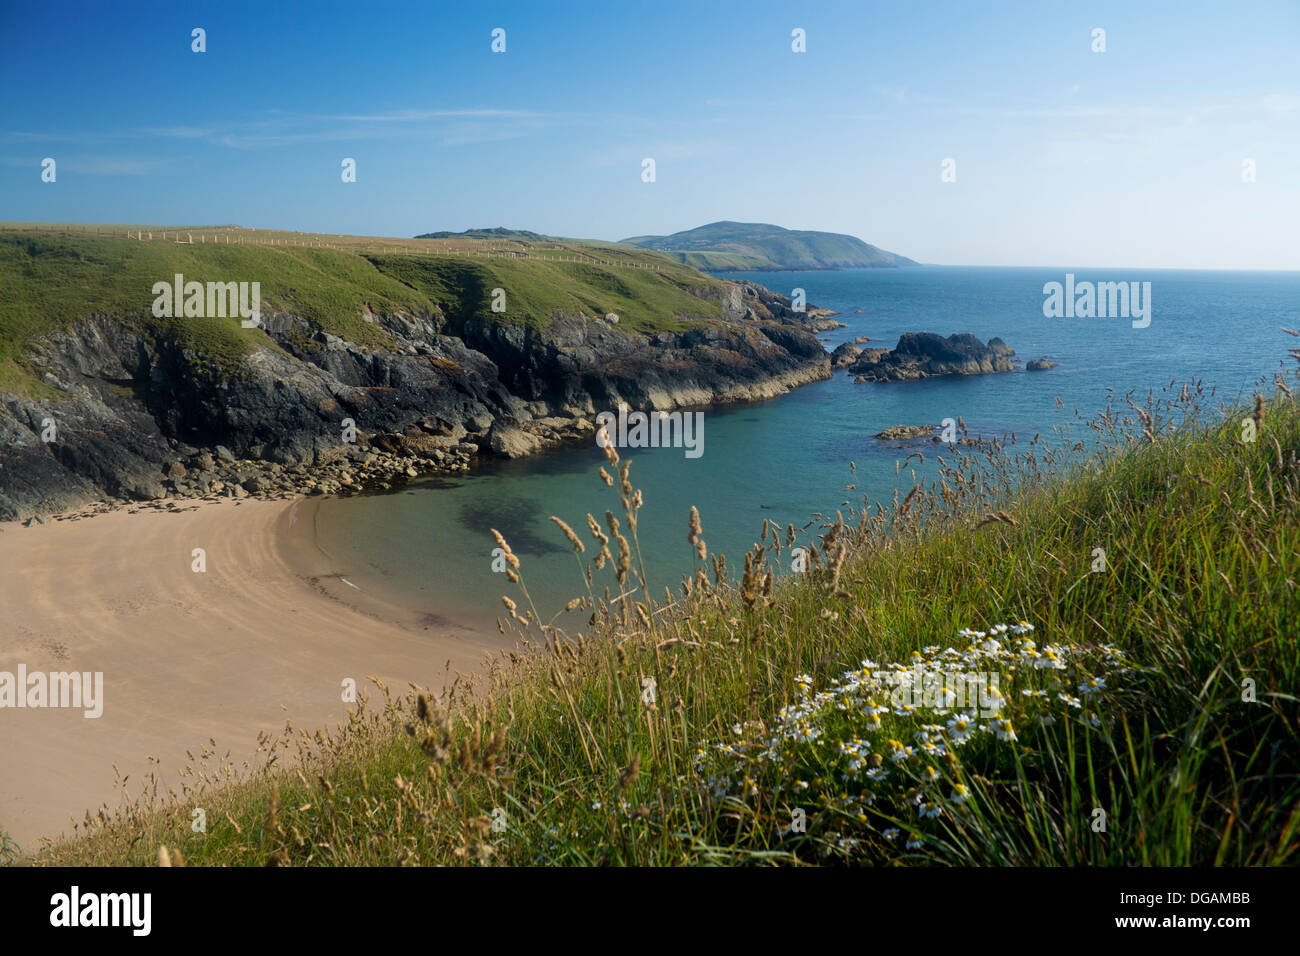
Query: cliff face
[[137, 402]]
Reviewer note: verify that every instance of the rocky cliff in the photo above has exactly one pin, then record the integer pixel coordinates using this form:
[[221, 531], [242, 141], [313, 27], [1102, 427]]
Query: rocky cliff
[[132, 413]]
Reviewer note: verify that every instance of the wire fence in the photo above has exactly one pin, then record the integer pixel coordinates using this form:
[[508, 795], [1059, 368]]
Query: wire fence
[[253, 237]]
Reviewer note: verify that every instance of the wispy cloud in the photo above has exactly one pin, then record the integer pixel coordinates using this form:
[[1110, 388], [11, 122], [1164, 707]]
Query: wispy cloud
[[93, 165], [276, 129], [661, 151], [417, 116]]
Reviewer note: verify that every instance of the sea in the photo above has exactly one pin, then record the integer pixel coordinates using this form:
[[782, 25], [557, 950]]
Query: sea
[[800, 458]]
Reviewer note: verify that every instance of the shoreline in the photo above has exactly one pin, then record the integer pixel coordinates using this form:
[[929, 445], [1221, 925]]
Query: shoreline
[[266, 634]]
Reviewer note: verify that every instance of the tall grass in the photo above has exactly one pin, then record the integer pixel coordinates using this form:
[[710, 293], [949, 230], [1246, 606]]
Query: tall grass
[[639, 739]]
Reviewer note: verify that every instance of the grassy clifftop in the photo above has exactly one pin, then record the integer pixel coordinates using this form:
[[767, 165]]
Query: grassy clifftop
[[50, 279], [1134, 613]]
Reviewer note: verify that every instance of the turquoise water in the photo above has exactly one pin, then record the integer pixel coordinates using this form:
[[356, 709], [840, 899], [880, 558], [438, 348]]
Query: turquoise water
[[788, 459]]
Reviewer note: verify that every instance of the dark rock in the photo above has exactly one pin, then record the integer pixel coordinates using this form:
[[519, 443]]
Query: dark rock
[[845, 355], [1039, 365], [393, 444], [906, 432], [921, 355]]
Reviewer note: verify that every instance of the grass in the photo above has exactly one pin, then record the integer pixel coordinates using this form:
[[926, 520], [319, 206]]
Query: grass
[[52, 277], [537, 289], [736, 722]]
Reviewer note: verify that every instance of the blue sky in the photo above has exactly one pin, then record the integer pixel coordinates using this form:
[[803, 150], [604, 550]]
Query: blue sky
[[1064, 157]]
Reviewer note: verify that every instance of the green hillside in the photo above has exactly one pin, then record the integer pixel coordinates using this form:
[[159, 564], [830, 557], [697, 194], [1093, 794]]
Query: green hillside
[[750, 246], [51, 277]]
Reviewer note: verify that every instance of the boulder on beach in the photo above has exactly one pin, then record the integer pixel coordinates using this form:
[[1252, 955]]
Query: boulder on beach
[[511, 441]]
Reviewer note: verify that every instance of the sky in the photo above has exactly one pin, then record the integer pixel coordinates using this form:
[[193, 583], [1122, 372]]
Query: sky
[[1063, 156]]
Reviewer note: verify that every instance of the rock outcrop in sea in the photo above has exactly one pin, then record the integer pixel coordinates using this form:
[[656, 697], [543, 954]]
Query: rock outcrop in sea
[[921, 355], [906, 432]]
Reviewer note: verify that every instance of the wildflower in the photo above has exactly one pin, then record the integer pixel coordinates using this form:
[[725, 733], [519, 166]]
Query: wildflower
[[960, 728], [960, 793], [1071, 701], [891, 834], [1092, 685]]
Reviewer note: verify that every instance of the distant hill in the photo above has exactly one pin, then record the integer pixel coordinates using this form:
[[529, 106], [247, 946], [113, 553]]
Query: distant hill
[[756, 246], [495, 233]]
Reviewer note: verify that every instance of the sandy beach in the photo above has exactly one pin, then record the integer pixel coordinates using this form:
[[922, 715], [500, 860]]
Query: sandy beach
[[267, 633]]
